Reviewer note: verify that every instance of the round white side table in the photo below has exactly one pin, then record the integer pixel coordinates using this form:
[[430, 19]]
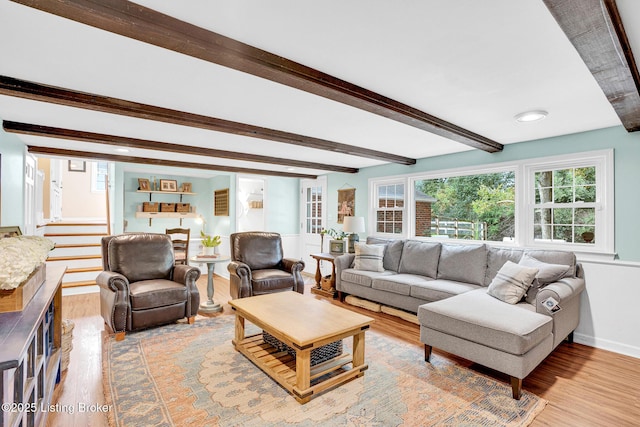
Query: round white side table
[[209, 306]]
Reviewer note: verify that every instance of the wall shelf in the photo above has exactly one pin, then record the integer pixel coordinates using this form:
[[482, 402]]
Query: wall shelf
[[179, 215], [152, 215], [165, 192]]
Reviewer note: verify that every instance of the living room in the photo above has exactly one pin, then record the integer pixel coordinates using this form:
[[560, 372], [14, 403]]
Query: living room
[[607, 315]]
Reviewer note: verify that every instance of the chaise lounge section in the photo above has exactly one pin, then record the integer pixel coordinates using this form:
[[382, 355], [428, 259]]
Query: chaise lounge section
[[504, 308]]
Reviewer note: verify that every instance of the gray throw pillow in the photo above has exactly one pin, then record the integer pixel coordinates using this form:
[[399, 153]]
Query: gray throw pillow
[[420, 258], [547, 273], [511, 282], [368, 257], [463, 263]]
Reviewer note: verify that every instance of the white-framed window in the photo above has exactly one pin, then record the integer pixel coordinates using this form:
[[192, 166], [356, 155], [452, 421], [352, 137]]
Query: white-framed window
[[562, 202], [99, 172], [465, 204], [569, 202], [389, 207]]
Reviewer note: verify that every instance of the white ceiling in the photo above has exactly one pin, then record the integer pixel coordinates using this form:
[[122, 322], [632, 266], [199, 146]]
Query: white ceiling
[[475, 64]]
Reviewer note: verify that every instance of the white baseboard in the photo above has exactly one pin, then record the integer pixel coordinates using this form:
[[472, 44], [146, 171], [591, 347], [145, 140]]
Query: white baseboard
[[608, 345]]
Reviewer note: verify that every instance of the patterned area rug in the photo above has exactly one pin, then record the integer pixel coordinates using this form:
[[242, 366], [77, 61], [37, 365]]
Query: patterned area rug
[[190, 375]]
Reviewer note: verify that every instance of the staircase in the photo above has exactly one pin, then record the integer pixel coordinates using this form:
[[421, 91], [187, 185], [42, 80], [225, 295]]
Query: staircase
[[78, 248]]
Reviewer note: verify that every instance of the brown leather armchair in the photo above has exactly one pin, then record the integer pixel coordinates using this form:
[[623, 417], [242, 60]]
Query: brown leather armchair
[[140, 286], [258, 266]]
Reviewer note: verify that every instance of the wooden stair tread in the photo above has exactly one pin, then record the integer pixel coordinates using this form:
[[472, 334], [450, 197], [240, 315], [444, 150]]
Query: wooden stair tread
[[73, 257], [79, 283], [73, 234], [73, 224], [83, 269], [77, 245]]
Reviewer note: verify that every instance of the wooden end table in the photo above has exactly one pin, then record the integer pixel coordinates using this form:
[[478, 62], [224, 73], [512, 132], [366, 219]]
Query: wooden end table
[[303, 324], [318, 288]]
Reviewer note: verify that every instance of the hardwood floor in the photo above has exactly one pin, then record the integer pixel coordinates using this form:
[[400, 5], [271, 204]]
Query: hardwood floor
[[584, 386]]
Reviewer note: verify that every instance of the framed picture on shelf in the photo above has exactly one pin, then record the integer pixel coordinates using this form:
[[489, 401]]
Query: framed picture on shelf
[[168, 185], [77, 166], [143, 184], [186, 187]]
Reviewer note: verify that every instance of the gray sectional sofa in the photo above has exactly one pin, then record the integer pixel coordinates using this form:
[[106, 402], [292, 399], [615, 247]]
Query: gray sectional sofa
[[452, 289]]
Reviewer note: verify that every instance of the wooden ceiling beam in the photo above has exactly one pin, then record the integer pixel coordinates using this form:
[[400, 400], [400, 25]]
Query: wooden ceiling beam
[[120, 141], [52, 94], [61, 152], [595, 29], [147, 25]]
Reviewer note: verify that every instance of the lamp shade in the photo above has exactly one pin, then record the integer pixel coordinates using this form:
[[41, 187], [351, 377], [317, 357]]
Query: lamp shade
[[353, 224]]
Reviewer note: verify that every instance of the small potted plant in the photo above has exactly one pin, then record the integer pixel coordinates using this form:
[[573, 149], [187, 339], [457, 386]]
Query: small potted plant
[[210, 243]]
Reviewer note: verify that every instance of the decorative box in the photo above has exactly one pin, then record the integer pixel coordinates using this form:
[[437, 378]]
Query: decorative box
[[150, 207], [182, 207], [167, 207], [18, 298]]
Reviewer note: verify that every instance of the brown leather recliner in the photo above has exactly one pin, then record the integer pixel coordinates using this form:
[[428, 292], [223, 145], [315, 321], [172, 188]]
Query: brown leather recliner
[[258, 266], [140, 286]]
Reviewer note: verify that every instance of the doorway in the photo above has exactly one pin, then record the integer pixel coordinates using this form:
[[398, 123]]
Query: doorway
[[250, 206], [313, 218]]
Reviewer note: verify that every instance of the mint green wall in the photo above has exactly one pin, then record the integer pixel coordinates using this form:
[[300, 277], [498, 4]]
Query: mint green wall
[[12, 152], [203, 201], [283, 205], [627, 176]]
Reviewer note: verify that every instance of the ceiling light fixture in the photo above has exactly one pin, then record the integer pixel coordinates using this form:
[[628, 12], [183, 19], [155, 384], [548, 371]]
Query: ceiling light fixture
[[531, 116], [122, 150]]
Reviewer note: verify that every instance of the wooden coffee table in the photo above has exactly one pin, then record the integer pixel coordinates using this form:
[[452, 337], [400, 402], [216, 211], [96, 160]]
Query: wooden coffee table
[[303, 323]]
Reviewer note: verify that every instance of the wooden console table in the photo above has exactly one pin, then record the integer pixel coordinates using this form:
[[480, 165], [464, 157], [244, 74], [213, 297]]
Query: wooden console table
[[318, 288], [30, 352]]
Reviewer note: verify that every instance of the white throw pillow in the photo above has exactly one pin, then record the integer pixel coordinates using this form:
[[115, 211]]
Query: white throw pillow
[[512, 282], [368, 257]]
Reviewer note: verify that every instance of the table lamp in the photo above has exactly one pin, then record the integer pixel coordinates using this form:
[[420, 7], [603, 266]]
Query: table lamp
[[353, 225]]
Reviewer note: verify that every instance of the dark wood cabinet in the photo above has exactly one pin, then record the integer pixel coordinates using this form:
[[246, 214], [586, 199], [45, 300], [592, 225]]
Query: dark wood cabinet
[[30, 352]]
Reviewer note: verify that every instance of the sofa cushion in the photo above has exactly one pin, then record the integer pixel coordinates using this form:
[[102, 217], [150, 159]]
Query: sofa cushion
[[435, 290], [496, 257], [368, 257], [463, 263], [512, 282], [392, 251], [270, 279], [420, 258], [514, 329], [362, 277], [398, 283], [556, 257], [547, 273], [148, 294]]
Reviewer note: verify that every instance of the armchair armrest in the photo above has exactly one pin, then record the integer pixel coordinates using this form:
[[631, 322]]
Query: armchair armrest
[[295, 267], [188, 275], [112, 281], [239, 280], [291, 265], [114, 300]]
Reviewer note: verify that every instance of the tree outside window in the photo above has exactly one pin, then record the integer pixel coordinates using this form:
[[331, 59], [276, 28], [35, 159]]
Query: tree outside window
[[565, 202], [479, 207]]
